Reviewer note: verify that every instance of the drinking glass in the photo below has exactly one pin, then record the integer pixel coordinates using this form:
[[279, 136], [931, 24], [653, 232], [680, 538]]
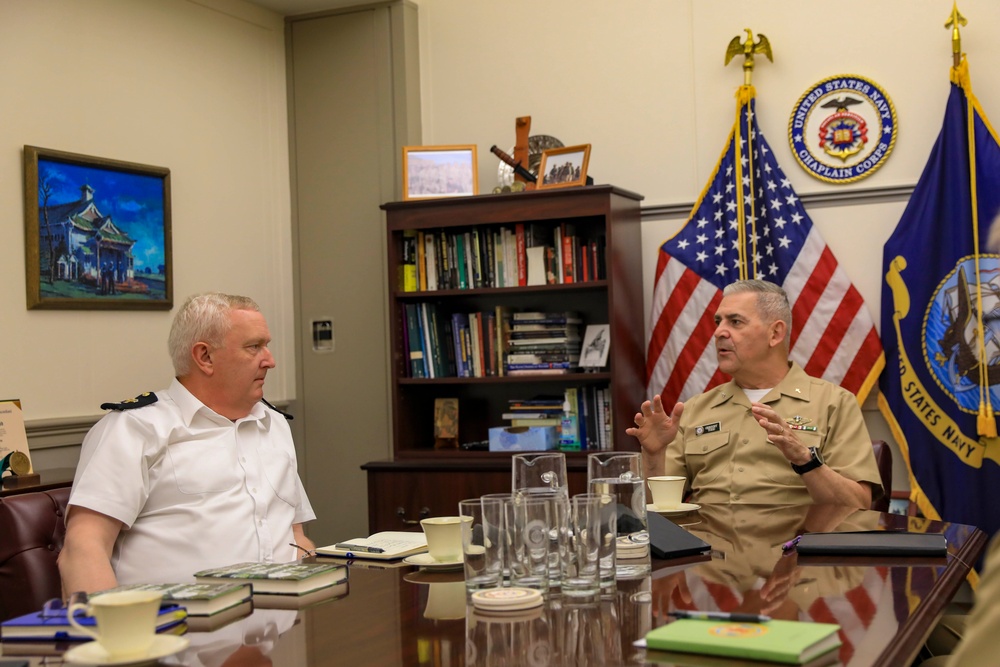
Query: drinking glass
[[529, 524], [482, 542], [607, 534], [619, 475], [539, 472], [580, 575]]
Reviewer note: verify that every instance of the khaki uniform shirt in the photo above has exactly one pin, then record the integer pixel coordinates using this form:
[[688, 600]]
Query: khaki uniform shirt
[[981, 643], [724, 452]]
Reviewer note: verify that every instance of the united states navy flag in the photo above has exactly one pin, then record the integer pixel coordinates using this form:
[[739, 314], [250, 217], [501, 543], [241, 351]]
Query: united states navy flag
[[941, 321]]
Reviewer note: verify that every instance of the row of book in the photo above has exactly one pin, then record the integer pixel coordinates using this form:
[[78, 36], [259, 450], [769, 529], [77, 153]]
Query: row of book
[[489, 343], [500, 256], [582, 416], [218, 597]]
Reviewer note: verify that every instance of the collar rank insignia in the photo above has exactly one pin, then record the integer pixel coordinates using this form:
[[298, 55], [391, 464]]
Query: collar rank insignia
[[140, 401], [708, 428]]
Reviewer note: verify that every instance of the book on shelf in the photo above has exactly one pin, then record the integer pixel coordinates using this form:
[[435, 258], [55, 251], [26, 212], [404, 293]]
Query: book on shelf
[[53, 625], [320, 596], [386, 545], [543, 365], [281, 578], [415, 339], [430, 258], [199, 599], [539, 317], [408, 266], [788, 642], [536, 421], [546, 341]]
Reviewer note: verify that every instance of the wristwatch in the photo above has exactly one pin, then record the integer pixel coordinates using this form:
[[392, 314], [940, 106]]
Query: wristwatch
[[813, 463]]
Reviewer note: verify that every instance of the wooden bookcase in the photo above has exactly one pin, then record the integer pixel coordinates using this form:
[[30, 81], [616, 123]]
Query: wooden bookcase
[[448, 475]]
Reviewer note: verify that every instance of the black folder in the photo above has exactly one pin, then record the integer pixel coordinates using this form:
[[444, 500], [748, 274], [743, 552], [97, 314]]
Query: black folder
[[668, 540], [873, 543]]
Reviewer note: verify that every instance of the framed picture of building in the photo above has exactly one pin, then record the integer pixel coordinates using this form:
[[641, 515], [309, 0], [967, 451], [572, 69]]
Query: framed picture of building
[[97, 233]]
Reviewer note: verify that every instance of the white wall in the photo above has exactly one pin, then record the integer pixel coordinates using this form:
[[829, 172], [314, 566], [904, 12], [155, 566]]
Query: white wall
[[643, 81], [194, 86]]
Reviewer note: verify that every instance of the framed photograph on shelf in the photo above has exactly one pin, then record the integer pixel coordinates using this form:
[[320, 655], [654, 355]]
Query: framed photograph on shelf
[[564, 167], [97, 233], [430, 172], [596, 346]]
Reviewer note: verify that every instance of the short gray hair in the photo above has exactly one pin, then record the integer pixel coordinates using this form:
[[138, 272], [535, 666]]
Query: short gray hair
[[772, 301], [202, 318]]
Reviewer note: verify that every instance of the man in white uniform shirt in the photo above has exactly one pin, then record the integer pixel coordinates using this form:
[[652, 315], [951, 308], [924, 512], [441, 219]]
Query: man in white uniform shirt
[[200, 475]]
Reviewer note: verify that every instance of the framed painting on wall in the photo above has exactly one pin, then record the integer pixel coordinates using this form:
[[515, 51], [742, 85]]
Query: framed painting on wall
[[97, 233]]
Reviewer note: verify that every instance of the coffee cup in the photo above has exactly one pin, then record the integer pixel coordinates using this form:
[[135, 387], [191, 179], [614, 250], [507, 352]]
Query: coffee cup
[[126, 621], [444, 537], [667, 491]]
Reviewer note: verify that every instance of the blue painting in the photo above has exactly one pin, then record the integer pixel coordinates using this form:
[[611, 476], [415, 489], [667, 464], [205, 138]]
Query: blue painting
[[98, 232]]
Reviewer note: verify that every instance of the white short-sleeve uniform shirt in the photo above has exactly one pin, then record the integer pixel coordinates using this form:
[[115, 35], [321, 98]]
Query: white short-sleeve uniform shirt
[[194, 489]]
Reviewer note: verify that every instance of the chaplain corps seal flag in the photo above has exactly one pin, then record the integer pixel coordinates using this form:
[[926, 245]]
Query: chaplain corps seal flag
[[843, 128]]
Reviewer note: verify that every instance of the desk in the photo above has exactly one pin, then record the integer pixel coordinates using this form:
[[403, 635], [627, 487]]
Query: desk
[[401, 616]]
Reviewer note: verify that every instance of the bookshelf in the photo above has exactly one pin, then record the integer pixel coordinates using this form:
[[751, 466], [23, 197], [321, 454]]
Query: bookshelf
[[606, 221]]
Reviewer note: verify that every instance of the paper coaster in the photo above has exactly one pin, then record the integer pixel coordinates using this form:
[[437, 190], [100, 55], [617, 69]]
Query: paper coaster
[[506, 599]]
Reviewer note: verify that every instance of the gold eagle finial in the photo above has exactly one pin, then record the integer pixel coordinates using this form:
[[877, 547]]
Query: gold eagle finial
[[956, 19], [748, 49]]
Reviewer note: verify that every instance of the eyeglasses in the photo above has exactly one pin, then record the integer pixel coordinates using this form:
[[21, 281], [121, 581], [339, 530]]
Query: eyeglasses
[[56, 607]]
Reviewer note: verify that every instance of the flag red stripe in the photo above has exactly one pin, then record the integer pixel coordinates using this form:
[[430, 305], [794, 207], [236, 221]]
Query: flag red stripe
[[834, 333], [812, 291], [671, 312], [863, 362]]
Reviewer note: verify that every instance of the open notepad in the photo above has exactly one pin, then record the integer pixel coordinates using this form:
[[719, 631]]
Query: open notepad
[[387, 545]]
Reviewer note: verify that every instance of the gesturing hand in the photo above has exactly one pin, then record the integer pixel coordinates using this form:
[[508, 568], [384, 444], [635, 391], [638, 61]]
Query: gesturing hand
[[654, 429]]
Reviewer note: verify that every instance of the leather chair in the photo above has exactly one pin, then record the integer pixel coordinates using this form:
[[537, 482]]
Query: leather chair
[[883, 458], [32, 530]]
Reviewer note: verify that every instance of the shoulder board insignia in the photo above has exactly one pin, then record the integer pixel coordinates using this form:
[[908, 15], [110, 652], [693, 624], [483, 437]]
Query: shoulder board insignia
[[280, 412], [140, 401]]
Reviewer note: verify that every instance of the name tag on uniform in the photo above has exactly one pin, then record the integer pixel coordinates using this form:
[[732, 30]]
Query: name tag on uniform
[[714, 427]]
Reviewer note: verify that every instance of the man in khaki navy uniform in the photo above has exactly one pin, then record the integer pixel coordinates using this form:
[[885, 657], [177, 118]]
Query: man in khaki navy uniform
[[771, 435]]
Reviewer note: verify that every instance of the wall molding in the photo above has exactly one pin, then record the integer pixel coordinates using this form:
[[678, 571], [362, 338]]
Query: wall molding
[[889, 193]]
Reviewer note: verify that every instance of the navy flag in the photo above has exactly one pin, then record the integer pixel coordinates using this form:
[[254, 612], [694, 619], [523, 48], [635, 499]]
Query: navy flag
[[940, 324]]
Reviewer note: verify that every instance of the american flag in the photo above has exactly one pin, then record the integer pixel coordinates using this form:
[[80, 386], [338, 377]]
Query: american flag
[[749, 223]]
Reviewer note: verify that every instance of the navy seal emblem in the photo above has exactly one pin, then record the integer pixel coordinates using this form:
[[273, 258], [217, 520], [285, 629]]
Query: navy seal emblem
[[953, 352], [843, 128]]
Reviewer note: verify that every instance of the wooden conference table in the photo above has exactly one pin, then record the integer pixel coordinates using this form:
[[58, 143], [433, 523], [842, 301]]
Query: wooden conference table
[[405, 616]]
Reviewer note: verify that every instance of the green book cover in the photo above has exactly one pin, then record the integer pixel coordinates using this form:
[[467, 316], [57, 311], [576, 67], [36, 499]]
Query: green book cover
[[789, 642]]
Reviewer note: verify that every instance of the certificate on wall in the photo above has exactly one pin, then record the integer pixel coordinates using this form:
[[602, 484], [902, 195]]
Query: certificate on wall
[[13, 437]]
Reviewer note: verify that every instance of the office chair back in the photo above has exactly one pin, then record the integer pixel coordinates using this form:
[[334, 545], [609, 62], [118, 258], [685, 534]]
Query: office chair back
[[883, 458], [32, 530]]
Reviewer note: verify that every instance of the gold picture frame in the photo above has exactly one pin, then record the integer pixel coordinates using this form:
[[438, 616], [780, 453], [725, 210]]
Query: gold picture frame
[[432, 172], [564, 167], [97, 233]]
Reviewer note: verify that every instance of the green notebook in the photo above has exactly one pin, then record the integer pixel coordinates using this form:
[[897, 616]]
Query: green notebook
[[789, 642]]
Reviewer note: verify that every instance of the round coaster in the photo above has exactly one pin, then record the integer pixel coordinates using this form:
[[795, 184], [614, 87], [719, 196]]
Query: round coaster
[[506, 599], [626, 548]]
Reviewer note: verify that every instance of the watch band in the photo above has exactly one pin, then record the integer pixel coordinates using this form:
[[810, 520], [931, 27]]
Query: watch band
[[813, 463]]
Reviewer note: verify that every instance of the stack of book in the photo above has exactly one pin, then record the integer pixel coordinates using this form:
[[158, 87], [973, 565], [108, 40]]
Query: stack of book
[[538, 411], [543, 343], [51, 625], [283, 585]]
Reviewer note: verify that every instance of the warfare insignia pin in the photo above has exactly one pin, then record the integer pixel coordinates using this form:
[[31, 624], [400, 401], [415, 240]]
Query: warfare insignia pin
[[798, 420]]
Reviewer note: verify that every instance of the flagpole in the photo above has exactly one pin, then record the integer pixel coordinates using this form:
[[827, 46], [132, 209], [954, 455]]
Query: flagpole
[[986, 420], [744, 94]]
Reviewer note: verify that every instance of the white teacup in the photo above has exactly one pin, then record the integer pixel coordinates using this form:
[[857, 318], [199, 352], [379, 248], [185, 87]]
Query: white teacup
[[126, 621], [444, 537], [667, 491]]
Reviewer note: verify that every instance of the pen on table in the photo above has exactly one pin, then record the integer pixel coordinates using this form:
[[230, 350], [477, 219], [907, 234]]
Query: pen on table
[[345, 546], [307, 552], [790, 544], [737, 617]]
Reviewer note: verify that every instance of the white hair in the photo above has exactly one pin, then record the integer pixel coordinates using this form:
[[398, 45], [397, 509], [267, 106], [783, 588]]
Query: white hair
[[203, 318]]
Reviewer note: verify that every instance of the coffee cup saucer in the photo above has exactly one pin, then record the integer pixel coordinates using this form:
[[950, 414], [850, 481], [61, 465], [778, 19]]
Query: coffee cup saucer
[[92, 653], [683, 508], [427, 562]]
